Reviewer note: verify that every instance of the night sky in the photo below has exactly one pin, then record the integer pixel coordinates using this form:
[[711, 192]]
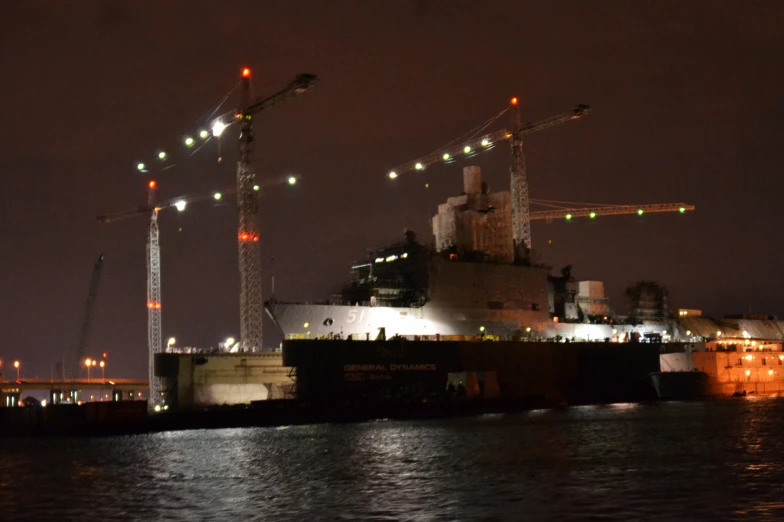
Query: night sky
[[686, 104]]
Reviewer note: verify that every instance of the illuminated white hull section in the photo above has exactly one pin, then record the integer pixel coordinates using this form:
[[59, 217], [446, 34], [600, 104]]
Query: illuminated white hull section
[[303, 321]]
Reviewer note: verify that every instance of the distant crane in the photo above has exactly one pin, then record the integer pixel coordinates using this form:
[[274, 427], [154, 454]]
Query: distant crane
[[154, 319], [521, 220], [85, 330]]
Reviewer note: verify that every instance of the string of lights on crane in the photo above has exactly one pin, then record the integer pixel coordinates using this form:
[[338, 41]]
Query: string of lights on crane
[[194, 141]]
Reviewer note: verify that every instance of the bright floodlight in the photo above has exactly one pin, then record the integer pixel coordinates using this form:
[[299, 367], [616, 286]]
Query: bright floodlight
[[485, 142], [141, 167], [217, 128], [180, 205], [171, 341], [217, 196], [446, 156], [466, 149], [292, 180], [203, 134], [392, 175], [256, 188], [419, 166], [161, 155], [188, 141]]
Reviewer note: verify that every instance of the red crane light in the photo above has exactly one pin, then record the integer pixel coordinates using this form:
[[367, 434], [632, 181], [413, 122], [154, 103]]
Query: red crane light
[[246, 73], [152, 184], [513, 101]]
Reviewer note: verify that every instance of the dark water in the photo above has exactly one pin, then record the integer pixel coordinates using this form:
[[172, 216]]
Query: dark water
[[672, 461]]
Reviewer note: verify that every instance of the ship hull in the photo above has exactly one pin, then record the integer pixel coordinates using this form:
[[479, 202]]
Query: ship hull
[[694, 375], [547, 373], [319, 321]]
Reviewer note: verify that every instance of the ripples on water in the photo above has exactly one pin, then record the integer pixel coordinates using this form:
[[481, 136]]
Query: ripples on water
[[669, 461]]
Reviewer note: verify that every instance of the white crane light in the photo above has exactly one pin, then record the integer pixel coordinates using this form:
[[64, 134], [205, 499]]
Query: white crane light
[[256, 188], [466, 149], [141, 167], [292, 180], [392, 175], [485, 142], [217, 128], [419, 166], [203, 134], [188, 141], [217, 196], [162, 155], [180, 205], [446, 156]]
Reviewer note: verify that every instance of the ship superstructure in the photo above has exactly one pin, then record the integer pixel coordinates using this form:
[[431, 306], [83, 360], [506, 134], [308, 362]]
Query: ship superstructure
[[466, 285]]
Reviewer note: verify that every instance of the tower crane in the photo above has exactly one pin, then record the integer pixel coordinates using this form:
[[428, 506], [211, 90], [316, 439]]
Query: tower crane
[[154, 322], [251, 304], [521, 220]]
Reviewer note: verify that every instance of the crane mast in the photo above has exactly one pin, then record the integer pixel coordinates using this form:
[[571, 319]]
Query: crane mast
[[251, 303], [521, 221], [154, 337], [84, 332]]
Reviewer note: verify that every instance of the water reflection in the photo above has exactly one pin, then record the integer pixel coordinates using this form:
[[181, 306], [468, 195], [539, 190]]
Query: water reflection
[[675, 461]]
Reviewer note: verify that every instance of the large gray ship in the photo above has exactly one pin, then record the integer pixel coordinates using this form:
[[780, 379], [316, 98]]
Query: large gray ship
[[464, 286], [557, 339]]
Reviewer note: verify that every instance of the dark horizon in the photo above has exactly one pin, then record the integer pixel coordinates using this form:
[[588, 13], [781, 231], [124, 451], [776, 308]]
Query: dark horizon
[[686, 106]]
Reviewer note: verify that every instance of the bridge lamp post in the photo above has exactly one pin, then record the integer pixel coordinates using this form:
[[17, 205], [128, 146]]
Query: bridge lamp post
[[18, 370], [88, 362], [102, 364]]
